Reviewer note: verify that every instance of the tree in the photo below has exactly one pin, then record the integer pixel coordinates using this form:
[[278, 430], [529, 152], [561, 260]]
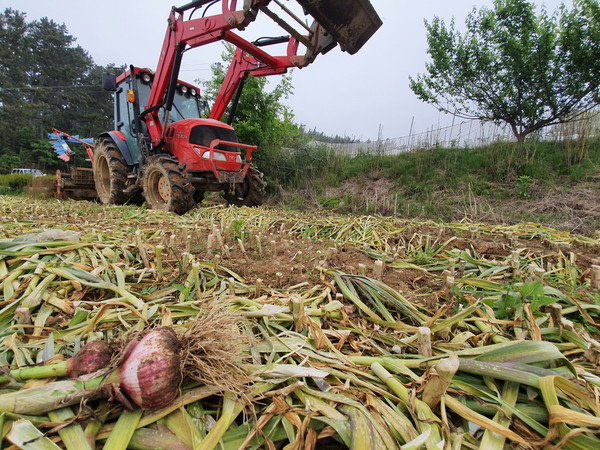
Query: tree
[[514, 67], [45, 81]]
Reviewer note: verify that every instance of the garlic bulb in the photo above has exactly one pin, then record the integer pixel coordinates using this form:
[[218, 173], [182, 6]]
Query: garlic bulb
[[92, 357], [150, 375]]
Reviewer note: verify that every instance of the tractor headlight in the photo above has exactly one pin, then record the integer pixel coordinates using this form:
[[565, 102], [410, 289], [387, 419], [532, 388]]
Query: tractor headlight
[[217, 156], [183, 88], [146, 77]]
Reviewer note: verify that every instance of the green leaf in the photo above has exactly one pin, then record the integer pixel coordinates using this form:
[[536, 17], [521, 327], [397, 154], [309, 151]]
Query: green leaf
[[531, 289]]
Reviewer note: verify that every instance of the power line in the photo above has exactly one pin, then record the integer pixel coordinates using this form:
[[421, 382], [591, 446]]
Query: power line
[[22, 88]]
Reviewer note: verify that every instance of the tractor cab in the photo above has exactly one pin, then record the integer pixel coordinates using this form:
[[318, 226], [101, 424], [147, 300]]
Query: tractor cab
[[186, 104]]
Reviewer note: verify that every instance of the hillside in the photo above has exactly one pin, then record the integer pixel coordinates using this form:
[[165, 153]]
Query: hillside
[[552, 183]]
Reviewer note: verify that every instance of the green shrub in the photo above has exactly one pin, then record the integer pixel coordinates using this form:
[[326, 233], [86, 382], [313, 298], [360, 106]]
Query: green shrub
[[15, 182], [523, 184], [329, 202]]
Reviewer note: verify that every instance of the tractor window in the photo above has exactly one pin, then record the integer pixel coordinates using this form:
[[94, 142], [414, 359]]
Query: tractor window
[[204, 134], [185, 107]]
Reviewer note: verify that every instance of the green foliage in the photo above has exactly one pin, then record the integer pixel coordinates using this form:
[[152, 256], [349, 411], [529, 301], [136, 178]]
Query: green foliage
[[261, 119], [445, 184], [14, 183], [515, 67], [330, 202], [239, 230], [532, 292], [45, 81], [524, 182]]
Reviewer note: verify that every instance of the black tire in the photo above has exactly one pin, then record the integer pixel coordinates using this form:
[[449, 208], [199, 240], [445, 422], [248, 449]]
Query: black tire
[[249, 193], [110, 173], [167, 185]]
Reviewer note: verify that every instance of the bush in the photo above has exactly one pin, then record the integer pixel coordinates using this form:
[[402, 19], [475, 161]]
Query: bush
[[15, 182]]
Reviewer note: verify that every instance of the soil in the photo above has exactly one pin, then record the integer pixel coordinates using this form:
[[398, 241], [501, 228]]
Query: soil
[[284, 259]]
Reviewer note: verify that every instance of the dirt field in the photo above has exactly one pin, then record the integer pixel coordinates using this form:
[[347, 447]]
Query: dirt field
[[285, 248], [341, 317]]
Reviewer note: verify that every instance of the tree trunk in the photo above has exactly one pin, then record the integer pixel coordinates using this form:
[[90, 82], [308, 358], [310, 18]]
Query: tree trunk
[[520, 134]]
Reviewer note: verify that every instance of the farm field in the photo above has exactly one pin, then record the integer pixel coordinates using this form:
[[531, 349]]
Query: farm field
[[314, 332]]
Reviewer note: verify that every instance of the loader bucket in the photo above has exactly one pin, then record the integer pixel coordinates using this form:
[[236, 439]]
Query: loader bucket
[[350, 22]]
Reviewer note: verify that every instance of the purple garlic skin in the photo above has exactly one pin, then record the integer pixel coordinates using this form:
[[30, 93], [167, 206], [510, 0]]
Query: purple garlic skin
[[151, 375], [92, 357]]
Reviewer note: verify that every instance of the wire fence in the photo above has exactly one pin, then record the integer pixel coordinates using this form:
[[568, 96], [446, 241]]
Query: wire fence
[[466, 134]]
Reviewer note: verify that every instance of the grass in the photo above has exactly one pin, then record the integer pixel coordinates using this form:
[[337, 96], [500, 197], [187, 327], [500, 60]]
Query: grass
[[14, 183], [18, 183], [444, 183]]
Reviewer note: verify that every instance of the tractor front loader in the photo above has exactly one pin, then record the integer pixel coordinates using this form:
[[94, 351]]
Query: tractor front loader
[[162, 150]]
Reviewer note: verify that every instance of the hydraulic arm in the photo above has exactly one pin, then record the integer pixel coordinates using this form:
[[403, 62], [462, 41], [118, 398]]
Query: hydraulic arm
[[162, 151], [347, 22]]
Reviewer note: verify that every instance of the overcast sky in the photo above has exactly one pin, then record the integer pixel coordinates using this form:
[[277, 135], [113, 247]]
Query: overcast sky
[[337, 94]]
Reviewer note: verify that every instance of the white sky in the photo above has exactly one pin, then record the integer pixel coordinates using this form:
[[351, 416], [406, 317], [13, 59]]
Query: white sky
[[337, 94]]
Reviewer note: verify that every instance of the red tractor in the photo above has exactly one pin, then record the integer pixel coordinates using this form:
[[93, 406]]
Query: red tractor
[[162, 148]]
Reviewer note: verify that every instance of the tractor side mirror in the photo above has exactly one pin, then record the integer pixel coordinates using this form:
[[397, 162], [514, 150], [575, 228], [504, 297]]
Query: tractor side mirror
[[109, 81]]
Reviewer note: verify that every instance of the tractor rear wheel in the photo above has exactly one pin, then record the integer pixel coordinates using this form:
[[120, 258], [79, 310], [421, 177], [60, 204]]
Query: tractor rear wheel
[[251, 192], [167, 185], [110, 173]]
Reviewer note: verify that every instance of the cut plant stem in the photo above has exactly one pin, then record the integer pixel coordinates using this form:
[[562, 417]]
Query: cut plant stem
[[158, 261], [378, 269], [595, 277], [142, 249], [258, 285], [210, 243], [38, 372], [298, 313], [188, 243], [196, 278], [424, 341], [331, 254], [555, 311], [437, 384], [362, 269], [241, 244], [51, 396], [259, 244], [515, 263], [448, 288]]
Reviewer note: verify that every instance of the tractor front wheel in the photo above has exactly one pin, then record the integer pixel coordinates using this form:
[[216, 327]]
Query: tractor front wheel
[[167, 185], [251, 192], [110, 173]]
